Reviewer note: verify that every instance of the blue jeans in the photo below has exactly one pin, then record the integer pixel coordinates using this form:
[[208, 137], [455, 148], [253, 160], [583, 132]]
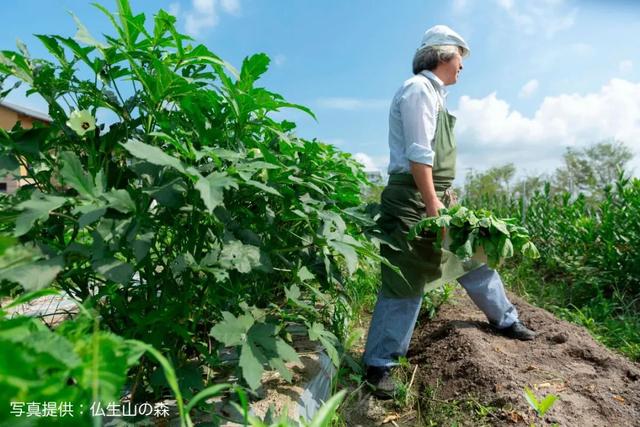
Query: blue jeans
[[394, 319]]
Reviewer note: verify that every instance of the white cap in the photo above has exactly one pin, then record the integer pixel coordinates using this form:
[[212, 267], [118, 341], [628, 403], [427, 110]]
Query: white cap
[[443, 35]]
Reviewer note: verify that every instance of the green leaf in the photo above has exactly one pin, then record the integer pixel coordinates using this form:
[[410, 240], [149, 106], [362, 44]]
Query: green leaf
[[507, 249], [105, 356], [348, 252], [6, 242], [73, 174], [292, 293], [15, 254], [263, 187], [530, 251], [120, 200], [212, 188], [170, 195], [546, 404], [531, 399], [168, 370], [83, 35], [212, 391], [238, 256], [115, 270], [37, 208], [443, 221], [466, 250], [153, 155], [324, 416], [500, 225], [54, 346], [53, 47], [141, 245], [251, 361], [231, 330], [34, 275], [304, 274], [9, 165], [253, 67], [317, 332], [275, 350], [90, 214], [182, 263]]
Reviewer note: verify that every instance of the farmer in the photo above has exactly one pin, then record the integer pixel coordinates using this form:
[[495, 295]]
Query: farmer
[[422, 168]]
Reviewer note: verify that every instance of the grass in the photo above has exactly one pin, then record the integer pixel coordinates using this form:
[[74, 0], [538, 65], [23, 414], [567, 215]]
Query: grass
[[434, 411], [613, 320]]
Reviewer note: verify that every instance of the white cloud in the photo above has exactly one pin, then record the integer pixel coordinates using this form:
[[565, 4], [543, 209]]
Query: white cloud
[[460, 6], [203, 14], [366, 161], [625, 66], [529, 88], [372, 163], [506, 4], [490, 133], [546, 17], [231, 6], [352, 104], [279, 59], [582, 49]]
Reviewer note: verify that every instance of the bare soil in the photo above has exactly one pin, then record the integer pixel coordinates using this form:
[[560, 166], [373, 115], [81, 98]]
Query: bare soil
[[462, 366]]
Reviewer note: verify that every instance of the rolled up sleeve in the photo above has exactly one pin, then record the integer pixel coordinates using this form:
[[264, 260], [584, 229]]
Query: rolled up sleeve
[[418, 114]]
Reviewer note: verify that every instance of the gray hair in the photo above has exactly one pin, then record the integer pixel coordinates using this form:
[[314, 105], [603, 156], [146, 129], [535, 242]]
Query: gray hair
[[428, 58]]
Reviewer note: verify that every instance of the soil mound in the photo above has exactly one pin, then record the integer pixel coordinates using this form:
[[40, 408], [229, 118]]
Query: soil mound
[[460, 355]]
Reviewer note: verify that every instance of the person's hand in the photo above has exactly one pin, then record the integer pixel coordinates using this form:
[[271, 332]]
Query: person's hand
[[434, 207]]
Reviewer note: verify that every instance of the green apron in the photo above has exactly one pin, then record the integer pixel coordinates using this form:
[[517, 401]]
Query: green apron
[[422, 265]]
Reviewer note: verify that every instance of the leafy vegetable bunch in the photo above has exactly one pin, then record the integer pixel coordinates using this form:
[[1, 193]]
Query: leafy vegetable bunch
[[469, 230]]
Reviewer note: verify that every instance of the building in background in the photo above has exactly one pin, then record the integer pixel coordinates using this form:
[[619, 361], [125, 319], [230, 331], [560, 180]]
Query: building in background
[[10, 114]]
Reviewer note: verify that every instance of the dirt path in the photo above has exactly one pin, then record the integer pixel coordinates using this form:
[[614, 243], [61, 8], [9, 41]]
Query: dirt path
[[468, 375]]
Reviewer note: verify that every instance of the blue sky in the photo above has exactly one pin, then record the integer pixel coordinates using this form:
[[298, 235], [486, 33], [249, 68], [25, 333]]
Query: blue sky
[[543, 74]]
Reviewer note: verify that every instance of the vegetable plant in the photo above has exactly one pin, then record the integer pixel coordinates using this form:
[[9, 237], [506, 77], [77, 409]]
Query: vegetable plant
[[467, 230], [165, 196]]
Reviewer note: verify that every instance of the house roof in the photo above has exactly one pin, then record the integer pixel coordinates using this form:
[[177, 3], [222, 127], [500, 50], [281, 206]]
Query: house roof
[[26, 111]]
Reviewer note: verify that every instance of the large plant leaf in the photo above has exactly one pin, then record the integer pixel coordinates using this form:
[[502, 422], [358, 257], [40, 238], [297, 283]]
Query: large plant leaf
[[212, 188], [105, 366], [231, 330], [9, 165], [120, 200], [348, 252], [264, 187], [34, 275], [317, 332], [239, 256], [54, 346], [37, 208], [113, 269], [253, 67], [275, 349], [153, 155], [90, 214], [251, 362], [84, 36], [73, 175]]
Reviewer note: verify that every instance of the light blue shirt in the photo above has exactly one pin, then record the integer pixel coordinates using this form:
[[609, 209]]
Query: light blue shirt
[[412, 121]]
